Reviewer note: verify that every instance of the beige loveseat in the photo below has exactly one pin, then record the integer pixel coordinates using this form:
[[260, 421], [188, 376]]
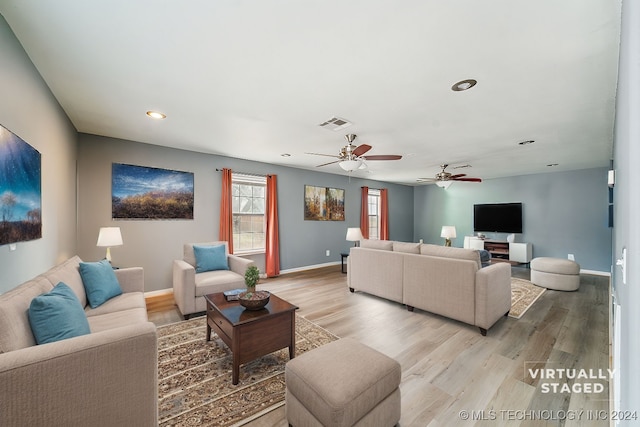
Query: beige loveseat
[[442, 280], [189, 287], [108, 377]]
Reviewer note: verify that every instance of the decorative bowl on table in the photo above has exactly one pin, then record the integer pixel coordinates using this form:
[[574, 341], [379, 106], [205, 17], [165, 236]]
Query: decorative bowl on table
[[254, 300]]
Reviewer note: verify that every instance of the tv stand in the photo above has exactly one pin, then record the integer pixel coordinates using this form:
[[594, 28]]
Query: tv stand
[[519, 253], [497, 249]]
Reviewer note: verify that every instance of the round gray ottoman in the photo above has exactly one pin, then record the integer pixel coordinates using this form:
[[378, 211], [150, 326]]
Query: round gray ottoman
[[555, 273]]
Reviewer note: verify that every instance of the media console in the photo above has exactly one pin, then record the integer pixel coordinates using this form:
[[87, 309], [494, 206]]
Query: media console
[[502, 250]]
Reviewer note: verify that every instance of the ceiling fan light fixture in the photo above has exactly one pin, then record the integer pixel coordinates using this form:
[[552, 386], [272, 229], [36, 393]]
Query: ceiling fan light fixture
[[350, 165], [464, 85], [444, 184]]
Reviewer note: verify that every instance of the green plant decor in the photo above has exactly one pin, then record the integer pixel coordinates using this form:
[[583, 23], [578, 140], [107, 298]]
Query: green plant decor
[[251, 277]]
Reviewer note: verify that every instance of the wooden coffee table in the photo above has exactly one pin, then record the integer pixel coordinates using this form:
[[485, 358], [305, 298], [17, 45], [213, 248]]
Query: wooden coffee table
[[251, 334]]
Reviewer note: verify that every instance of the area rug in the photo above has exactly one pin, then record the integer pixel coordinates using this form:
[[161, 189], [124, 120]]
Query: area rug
[[523, 295], [194, 376]]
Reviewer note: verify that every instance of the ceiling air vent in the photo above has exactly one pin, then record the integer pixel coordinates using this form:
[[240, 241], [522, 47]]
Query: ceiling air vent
[[335, 123]]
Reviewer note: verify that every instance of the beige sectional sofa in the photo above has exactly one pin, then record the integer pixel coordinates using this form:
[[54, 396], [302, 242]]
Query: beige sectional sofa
[[105, 378], [443, 280]]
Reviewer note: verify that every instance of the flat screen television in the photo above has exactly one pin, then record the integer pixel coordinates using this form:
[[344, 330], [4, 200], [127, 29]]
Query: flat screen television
[[498, 217]]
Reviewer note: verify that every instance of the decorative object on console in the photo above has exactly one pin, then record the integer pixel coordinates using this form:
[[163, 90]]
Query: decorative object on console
[[354, 234], [109, 237], [448, 232]]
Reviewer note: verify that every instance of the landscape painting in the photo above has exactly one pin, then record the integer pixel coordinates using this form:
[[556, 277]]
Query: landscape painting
[[323, 203], [139, 192], [20, 190]]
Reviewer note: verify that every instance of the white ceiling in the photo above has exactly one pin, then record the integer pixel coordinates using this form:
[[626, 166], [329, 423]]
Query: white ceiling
[[253, 79]]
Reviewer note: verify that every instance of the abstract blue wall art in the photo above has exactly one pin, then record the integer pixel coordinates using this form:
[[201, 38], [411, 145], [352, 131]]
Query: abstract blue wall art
[[20, 190], [140, 192]]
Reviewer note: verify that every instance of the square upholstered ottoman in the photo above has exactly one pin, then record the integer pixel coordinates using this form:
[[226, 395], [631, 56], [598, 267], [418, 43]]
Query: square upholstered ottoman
[[343, 383]]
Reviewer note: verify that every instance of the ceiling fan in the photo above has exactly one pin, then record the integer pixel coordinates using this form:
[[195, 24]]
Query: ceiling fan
[[351, 157], [444, 178]]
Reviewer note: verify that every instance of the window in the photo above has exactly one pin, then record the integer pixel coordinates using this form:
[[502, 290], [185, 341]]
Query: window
[[374, 214], [248, 206]]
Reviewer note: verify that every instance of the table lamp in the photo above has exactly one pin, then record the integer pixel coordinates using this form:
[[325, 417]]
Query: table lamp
[[109, 236], [354, 235], [448, 232]]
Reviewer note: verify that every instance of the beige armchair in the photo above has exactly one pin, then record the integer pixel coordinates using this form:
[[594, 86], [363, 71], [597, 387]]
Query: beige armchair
[[189, 287]]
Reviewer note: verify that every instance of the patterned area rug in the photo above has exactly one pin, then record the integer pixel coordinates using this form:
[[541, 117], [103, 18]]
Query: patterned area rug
[[523, 295], [194, 383]]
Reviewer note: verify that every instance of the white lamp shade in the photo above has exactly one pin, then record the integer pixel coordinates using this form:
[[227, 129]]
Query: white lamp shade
[[354, 234], [448, 232], [350, 165], [109, 236], [444, 184]]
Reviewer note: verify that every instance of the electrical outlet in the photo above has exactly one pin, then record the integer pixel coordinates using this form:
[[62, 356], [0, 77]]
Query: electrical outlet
[[328, 252], [571, 257]]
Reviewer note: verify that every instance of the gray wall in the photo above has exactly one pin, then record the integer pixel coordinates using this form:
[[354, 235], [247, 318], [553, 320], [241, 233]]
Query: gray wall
[[29, 110], [627, 207], [563, 212], [155, 244]]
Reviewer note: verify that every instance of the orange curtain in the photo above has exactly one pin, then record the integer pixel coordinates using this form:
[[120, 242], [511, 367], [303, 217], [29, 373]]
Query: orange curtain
[[384, 214], [226, 210], [364, 212], [272, 253]]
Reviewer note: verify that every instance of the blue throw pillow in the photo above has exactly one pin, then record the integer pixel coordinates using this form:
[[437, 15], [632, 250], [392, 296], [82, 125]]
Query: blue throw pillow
[[57, 315], [210, 258], [100, 282]]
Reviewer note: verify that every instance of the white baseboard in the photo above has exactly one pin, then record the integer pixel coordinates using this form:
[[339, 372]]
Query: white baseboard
[[596, 272], [309, 267]]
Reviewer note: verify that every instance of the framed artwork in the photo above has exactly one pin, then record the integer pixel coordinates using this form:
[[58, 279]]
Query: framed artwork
[[140, 192], [323, 203], [20, 190]]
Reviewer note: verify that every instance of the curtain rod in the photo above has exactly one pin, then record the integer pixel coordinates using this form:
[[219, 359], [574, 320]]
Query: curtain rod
[[244, 173]]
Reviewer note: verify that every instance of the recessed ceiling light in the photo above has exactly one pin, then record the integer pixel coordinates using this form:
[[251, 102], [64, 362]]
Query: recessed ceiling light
[[285, 155], [552, 165], [156, 115], [463, 85], [531, 141]]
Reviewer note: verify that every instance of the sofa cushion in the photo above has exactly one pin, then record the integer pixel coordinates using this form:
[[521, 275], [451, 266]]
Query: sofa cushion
[[100, 282], [126, 301], [57, 315], [383, 245], [410, 248], [15, 330], [210, 258], [217, 281], [451, 252], [68, 273], [190, 258], [117, 319]]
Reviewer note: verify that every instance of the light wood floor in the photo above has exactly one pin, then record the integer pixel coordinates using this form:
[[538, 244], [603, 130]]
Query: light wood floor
[[447, 366]]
